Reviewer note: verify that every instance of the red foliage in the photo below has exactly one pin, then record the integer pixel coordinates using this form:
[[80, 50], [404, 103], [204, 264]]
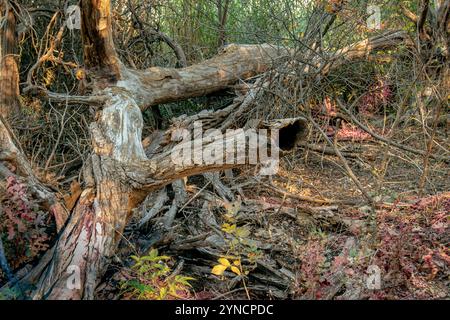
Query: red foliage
[[312, 258], [352, 133], [411, 252], [413, 248], [378, 95]]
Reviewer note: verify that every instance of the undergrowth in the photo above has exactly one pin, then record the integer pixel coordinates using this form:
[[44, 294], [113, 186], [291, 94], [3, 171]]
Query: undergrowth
[[151, 278], [24, 227]]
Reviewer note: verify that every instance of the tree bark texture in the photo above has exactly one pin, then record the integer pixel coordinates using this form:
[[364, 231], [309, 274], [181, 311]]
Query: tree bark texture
[[9, 72]]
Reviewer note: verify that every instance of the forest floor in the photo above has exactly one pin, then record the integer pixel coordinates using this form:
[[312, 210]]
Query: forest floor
[[305, 233], [333, 246]]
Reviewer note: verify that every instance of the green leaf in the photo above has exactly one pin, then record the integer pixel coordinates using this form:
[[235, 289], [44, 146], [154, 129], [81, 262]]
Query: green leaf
[[184, 280], [242, 232], [153, 253]]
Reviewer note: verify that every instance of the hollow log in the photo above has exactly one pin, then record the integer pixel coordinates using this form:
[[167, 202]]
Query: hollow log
[[120, 172], [122, 176]]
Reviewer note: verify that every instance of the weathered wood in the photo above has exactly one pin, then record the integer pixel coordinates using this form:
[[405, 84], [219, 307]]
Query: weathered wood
[[9, 71], [120, 172], [123, 176], [161, 85], [98, 45]]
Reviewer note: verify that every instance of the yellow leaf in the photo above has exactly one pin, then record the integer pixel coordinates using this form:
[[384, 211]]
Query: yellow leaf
[[80, 74], [224, 262], [226, 227], [219, 269], [236, 270], [162, 293], [237, 263]]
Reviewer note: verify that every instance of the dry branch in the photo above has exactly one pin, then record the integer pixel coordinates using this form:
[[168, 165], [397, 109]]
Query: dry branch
[[120, 173], [385, 140]]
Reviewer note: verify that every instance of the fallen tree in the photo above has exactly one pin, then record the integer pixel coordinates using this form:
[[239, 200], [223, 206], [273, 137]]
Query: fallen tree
[[120, 173]]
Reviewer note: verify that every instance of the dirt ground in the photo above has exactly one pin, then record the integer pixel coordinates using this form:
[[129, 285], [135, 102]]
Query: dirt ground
[[331, 246]]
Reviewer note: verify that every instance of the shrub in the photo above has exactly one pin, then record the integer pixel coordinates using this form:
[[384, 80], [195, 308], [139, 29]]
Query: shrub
[[150, 278], [22, 224]]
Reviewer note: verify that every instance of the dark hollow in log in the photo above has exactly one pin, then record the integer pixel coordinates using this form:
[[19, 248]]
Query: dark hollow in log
[[292, 134]]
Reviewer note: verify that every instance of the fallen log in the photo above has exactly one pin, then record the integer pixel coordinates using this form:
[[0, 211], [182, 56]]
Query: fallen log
[[120, 173], [122, 176]]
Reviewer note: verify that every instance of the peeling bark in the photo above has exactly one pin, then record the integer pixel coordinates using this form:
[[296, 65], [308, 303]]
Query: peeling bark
[[98, 46]]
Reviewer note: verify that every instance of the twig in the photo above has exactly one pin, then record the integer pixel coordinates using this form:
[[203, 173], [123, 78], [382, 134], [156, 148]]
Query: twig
[[326, 150], [301, 197], [429, 150], [161, 198], [343, 160], [387, 141]]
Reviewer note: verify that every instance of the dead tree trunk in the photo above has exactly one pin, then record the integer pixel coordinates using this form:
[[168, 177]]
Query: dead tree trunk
[[119, 177], [9, 72], [120, 173]]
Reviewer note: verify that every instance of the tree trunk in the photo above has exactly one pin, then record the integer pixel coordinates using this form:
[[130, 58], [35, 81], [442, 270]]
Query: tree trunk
[[162, 85], [222, 15], [120, 173], [9, 72], [98, 46], [120, 177]]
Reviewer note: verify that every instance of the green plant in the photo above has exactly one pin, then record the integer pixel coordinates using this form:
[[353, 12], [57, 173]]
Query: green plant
[[151, 278], [240, 247], [9, 294]]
